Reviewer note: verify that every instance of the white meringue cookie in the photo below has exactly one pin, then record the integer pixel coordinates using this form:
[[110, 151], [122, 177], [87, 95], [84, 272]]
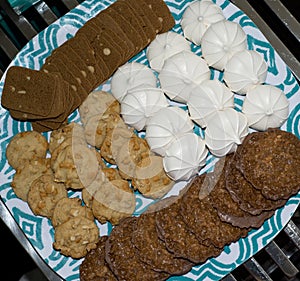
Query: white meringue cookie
[[164, 46], [245, 70], [208, 98], [225, 131], [138, 105], [220, 41], [163, 127], [265, 106], [197, 17], [131, 75], [180, 73], [185, 156]]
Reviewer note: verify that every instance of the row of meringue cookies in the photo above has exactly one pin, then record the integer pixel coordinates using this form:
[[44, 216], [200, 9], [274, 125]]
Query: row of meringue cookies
[[224, 47], [168, 129]]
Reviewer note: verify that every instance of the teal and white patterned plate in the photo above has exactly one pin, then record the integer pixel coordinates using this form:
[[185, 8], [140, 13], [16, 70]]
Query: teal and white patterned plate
[[39, 230]]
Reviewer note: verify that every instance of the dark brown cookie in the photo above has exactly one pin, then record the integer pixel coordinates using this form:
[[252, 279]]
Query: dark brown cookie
[[122, 258], [179, 239], [245, 195], [94, 266], [152, 250], [203, 220], [269, 161], [228, 210]]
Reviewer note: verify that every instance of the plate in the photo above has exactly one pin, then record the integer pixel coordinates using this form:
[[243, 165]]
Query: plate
[[39, 231]]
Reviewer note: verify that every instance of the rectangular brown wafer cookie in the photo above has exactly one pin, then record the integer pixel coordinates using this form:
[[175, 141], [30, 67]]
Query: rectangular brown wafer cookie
[[107, 22], [67, 49], [56, 65], [83, 48], [107, 51], [163, 13], [145, 23], [20, 91], [123, 9], [127, 27]]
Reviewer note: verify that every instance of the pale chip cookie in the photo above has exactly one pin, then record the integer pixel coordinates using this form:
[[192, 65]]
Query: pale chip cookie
[[97, 103], [68, 208], [113, 201], [76, 166], [76, 237], [113, 142], [104, 175], [130, 154], [150, 178], [26, 146], [26, 174], [43, 195], [68, 134]]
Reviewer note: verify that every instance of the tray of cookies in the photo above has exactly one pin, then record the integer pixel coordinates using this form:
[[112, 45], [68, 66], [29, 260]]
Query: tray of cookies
[[149, 140]]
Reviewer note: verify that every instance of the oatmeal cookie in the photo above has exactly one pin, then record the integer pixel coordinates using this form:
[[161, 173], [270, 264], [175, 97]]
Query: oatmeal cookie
[[268, 160], [76, 237], [113, 201], [26, 146], [152, 250], [68, 208], [94, 266], [26, 174], [122, 258], [43, 195]]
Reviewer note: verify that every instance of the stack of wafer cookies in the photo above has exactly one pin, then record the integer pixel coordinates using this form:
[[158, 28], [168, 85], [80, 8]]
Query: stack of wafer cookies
[[83, 62], [215, 209]]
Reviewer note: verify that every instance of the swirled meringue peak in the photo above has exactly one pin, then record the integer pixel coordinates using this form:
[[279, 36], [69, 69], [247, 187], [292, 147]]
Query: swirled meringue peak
[[265, 106], [180, 73], [163, 127], [140, 104], [245, 70], [197, 17], [131, 75], [225, 131], [208, 98], [185, 156], [164, 46], [221, 41]]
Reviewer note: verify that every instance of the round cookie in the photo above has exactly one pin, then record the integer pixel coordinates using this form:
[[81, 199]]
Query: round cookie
[[122, 257], [245, 195], [43, 195], [179, 239], [148, 244], [76, 237], [68, 208], [130, 154], [70, 133], [26, 146], [26, 174], [230, 211], [76, 166], [94, 266], [203, 220], [151, 179], [113, 201], [97, 103], [269, 161]]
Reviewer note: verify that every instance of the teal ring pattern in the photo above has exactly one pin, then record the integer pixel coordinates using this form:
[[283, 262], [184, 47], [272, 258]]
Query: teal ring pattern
[[39, 231]]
